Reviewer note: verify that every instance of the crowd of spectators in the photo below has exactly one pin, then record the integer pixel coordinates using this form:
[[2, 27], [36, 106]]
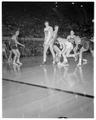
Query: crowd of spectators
[[33, 26]]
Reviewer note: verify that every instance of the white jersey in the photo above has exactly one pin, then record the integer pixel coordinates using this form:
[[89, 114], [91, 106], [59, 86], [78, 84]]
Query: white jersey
[[48, 34], [53, 37], [68, 44], [65, 44]]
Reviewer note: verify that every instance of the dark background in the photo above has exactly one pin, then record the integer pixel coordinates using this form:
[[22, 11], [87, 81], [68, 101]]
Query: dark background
[[29, 17]]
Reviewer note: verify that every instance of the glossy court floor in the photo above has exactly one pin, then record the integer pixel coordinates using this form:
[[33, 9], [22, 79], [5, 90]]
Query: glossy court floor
[[48, 91]]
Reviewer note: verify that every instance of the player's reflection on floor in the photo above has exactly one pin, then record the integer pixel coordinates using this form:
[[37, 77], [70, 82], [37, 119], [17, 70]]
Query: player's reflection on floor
[[52, 83], [73, 77], [16, 68], [13, 67], [63, 76]]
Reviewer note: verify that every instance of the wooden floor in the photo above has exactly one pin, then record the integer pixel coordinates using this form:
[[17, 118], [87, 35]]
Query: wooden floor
[[48, 91]]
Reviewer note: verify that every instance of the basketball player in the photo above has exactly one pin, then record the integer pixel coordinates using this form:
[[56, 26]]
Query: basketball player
[[52, 41], [57, 49], [15, 50], [66, 48], [84, 46], [10, 52], [71, 37], [48, 31], [76, 41]]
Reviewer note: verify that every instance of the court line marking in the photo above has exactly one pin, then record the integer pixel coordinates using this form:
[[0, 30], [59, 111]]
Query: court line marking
[[55, 89]]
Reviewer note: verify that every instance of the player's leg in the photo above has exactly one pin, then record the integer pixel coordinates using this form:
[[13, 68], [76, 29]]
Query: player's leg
[[92, 53], [52, 52], [69, 48], [65, 56], [67, 51], [5, 54], [15, 56], [45, 52], [57, 53], [10, 56], [64, 53], [80, 56], [75, 52], [18, 57]]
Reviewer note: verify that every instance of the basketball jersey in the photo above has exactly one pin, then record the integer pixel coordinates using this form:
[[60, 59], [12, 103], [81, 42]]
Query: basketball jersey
[[48, 34], [85, 44], [13, 42]]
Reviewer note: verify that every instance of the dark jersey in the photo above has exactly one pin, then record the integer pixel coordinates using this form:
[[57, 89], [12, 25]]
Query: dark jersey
[[85, 44]]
